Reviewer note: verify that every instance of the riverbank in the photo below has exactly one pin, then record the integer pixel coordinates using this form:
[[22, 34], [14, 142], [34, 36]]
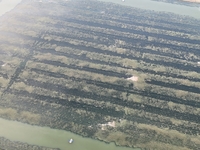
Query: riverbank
[[6, 144], [190, 3]]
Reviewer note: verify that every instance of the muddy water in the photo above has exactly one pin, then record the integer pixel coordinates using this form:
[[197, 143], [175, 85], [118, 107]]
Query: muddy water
[[45, 136]]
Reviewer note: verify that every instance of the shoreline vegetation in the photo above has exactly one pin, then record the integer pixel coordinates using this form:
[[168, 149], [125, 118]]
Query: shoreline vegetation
[[104, 71], [6, 144], [192, 3]]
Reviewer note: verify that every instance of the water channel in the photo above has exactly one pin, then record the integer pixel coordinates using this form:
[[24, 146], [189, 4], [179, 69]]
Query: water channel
[[45, 136]]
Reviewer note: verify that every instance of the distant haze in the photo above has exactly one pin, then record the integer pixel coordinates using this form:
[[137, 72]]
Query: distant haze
[[7, 5]]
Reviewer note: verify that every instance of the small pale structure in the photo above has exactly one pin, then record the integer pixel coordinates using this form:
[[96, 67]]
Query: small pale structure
[[4, 65], [133, 78], [111, 124]]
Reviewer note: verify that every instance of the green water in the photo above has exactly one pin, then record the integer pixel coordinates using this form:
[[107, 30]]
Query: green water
[[160, 6], [45, 136]]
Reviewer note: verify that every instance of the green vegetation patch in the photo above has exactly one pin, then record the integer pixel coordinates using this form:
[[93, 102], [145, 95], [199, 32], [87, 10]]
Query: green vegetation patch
[[104, 71]]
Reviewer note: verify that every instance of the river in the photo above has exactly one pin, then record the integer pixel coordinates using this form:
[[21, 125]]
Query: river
[[160, 6], [45, 136]]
